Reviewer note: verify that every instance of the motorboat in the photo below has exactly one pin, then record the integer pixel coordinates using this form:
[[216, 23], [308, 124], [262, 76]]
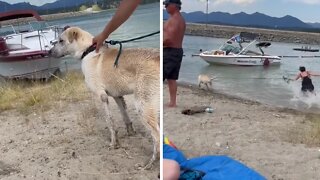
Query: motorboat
[[24, 47], [238, 51]]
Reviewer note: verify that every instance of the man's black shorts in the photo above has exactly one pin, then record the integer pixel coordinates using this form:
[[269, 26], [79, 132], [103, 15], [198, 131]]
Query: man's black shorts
[[172, 58]]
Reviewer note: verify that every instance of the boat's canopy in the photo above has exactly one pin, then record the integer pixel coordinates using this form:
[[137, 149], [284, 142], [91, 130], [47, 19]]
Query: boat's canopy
[[19, 14]]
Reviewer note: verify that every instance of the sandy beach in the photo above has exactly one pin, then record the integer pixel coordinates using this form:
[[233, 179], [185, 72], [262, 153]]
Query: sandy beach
[[278, 143], [70, 141]]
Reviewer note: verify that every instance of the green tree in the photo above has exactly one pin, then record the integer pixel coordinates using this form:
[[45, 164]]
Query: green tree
[[83, 7], [95, 7]]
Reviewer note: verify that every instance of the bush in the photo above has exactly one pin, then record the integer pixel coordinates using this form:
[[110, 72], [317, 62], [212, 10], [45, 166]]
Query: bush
[[83, 8], [96, 8]]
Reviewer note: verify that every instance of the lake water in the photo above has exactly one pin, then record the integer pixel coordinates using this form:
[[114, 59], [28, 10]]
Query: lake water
[[263, 84], [145, 20]]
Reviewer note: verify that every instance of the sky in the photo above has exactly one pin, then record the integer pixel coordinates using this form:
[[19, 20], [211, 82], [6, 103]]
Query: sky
[[305, 10]]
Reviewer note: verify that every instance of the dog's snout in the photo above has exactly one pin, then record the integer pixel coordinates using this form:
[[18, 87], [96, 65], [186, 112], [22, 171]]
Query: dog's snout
[[50, 52], [54, 42]]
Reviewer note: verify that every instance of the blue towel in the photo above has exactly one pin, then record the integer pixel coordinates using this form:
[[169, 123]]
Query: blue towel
[[214, 167]]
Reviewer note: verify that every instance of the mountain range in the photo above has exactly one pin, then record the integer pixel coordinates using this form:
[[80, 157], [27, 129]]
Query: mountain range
[[249, 20], [239, 19], [55, 5]]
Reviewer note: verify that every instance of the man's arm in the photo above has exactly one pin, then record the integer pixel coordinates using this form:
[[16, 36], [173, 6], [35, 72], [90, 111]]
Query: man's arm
[[125, 9], [297, 77]]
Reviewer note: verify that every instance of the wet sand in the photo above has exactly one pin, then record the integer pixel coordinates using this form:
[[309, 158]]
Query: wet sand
[[268, 139]]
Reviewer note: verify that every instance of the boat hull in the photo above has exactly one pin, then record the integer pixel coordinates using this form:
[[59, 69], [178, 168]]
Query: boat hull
[[241, 60], [39, 68]]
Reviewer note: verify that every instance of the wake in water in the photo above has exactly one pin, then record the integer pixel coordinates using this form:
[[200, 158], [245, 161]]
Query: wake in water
[[308, 100]]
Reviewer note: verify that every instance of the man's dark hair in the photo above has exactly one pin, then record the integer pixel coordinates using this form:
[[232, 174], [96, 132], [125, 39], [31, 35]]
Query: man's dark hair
[[176, 2], [302, 68]]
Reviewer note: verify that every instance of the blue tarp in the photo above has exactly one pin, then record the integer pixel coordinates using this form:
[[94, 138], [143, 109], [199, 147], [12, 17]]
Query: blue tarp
[[215, 167]]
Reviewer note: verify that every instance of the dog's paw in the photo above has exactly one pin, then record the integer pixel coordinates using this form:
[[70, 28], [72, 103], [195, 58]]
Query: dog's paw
[[142, 167], [148, 166], [113, 145]]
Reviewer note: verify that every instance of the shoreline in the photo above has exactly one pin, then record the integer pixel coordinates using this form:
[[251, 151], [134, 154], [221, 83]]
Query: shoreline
[[58, 16], [223, 31], [215, 92], [51, 17], [278, 143]]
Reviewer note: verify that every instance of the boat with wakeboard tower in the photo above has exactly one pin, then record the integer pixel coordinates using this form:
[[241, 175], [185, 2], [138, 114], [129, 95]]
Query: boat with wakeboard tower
[[238, 51]]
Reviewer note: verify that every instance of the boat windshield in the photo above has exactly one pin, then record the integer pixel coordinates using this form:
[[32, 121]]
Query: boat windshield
[[15, 29], [229, 48], [38, 25], [22, 28], [6, 30]]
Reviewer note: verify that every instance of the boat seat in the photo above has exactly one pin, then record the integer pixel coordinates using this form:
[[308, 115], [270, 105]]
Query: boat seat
[[24, 31], [32, 36], [219, 53], [249, 52], [16, 47]]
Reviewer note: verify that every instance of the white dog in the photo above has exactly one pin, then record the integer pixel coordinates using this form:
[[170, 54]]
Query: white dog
[[138, 73], [205, 79]]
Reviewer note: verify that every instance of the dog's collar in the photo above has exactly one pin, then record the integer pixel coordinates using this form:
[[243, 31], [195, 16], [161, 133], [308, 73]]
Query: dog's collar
[[89, 50]]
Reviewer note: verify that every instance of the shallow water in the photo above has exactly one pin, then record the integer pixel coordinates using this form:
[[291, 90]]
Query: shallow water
[[263, 84], [145, 20]]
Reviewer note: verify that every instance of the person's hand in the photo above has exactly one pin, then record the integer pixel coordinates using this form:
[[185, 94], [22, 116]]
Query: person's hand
[[99, 40]]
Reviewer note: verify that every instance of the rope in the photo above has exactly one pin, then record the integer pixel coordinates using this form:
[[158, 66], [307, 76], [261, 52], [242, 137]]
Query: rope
[[248, 77], [230, 77], [112, 42]]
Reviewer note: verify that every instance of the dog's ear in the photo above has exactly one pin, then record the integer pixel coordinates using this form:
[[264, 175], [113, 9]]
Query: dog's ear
[[73, 35]]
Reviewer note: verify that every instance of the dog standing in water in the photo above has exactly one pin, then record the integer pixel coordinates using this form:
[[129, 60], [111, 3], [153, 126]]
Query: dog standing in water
[[138, 73], [205, 79]]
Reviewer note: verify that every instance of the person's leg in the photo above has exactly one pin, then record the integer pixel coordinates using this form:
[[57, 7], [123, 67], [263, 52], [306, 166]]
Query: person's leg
[[173, 93], [171, 170], [173, 63]]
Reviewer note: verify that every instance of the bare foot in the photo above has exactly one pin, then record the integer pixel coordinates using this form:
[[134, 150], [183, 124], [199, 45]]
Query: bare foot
[[171, 105]]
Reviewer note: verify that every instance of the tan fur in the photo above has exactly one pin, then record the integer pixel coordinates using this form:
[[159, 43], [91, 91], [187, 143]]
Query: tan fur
[[138, 73], [205, 79], [73, 35]]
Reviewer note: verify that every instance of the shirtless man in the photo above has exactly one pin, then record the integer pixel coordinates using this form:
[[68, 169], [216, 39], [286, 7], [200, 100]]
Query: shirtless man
[[173, 33]]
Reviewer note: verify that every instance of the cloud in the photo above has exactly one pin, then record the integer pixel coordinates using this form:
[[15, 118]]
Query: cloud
[[238, 2], [310, 2]]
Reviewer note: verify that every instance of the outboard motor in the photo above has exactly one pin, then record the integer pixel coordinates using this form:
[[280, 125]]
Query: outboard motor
[[4, 50]]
